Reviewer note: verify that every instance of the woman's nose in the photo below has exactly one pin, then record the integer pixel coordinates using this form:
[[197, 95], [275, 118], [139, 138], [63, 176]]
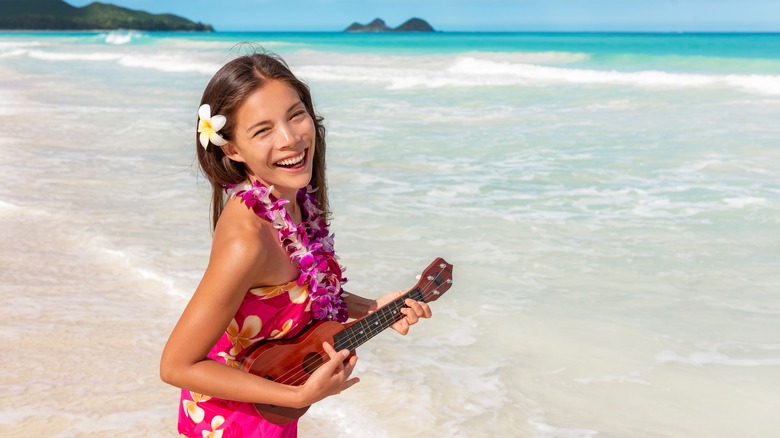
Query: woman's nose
[[287, 135]]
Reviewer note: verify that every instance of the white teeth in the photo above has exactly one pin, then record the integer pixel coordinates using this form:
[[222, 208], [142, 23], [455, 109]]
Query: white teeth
[[292, 161]]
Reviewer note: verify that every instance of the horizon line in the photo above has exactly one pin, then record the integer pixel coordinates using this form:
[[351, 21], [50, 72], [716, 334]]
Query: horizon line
[[399, 32]]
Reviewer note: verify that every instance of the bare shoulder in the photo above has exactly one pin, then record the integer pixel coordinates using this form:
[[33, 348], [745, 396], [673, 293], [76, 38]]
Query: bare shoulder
[[248, 247], [241, 239]]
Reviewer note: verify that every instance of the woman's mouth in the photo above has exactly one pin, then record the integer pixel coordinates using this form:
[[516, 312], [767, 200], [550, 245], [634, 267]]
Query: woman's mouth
[[293, 162]]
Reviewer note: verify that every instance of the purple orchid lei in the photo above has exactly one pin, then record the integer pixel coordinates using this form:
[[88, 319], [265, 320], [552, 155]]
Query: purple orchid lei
[[309, 244]]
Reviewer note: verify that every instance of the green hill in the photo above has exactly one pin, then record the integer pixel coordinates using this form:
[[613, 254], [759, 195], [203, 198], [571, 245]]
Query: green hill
[[58, 15], [414, 25]]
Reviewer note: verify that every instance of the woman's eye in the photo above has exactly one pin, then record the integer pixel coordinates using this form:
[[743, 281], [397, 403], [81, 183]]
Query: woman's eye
[[298, 114], [261, 132]]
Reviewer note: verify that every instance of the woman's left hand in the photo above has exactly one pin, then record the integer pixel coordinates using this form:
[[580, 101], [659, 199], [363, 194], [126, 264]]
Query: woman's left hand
[[414, 311]]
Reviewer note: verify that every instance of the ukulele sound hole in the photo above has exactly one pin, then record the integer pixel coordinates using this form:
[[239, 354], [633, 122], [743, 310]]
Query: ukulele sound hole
[[311, 362]]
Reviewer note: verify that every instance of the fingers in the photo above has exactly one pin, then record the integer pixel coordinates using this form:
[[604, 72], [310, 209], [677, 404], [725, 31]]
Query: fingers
[[332, 377], [384, 299], [336, 362], [416, 310], [349, 383], [412, 314], [348, 368], [426, 310], [332, 351], [341, 364]]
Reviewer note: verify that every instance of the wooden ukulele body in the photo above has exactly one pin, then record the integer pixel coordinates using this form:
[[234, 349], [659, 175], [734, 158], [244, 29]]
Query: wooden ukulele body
[[291, 362]]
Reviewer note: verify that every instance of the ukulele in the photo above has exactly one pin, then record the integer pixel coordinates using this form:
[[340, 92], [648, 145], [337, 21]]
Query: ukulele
[[292, 361]]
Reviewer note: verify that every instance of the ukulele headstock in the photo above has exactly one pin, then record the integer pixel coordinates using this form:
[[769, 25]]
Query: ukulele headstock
[[435, 280]]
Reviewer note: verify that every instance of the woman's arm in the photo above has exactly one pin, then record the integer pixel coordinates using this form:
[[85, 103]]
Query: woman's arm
[[184, 363], [357, 306]]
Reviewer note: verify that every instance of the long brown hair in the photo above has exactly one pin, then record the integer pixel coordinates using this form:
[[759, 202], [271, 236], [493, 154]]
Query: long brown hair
[[225, 93]]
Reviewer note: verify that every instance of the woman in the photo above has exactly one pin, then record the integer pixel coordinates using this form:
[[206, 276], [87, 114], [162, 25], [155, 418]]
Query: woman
[[272, 268]]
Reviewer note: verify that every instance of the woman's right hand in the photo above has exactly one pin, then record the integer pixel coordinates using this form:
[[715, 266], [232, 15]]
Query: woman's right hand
[[330, 378]]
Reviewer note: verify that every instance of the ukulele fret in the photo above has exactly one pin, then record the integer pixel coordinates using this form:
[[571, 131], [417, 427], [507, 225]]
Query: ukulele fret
[[374, 323]]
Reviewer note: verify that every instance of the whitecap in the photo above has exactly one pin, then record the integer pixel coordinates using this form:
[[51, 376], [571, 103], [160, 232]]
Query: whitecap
[[507, 71], [342, 417], [7, 207], [611, 379], [164, 63], [71, 56], [548, 430], [14, 52], [748, 308], [121, 37], [123, 258], [18, 44], [467, 71], [744, 201], [169, 64], [702, 358], [547, 57]]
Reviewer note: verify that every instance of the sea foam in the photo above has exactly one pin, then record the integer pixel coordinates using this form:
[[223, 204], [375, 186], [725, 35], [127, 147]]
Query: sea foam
[[73, 56], [122, 37], [504, 72], [471, 72], [545, 429], [702, 358], [170, 64], [165, 63]]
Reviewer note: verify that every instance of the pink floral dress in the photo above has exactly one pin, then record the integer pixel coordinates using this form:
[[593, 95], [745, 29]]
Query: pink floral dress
[[272, 312]]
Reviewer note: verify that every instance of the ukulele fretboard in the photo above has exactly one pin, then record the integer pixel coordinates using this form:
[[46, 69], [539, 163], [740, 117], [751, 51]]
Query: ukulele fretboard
[[374, 323]]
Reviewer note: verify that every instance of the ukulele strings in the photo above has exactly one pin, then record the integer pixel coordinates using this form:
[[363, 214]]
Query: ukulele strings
[[300, 374]]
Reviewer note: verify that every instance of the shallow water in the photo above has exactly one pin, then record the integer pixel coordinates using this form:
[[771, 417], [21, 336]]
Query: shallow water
[[610, 203]]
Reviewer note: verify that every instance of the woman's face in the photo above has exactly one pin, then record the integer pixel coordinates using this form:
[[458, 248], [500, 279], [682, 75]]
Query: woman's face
[[274, 136]]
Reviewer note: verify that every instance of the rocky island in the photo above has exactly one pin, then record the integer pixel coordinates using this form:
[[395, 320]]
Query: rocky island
[[58, 15], [378, 25]]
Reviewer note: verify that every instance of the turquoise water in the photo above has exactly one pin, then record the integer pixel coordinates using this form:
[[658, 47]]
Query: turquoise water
[[611, 204]]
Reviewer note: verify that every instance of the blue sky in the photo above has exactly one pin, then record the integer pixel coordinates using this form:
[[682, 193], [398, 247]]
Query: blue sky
[[472, 15]]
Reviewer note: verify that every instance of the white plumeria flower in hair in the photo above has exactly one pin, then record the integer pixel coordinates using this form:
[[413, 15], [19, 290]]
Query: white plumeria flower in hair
[[209, 127]]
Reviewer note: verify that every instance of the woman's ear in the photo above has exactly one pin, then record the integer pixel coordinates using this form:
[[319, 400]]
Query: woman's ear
[[232, 152]]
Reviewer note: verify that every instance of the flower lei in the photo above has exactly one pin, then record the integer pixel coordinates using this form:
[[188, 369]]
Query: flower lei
[[309, 244]]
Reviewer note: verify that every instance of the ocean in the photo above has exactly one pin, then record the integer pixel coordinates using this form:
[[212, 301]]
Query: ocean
[[610, 203]]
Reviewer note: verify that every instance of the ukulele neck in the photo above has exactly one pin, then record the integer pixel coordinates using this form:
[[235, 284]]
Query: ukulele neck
[[374, 323]]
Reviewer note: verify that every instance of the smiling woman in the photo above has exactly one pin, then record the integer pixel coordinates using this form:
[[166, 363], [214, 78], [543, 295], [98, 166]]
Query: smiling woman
[[242, 90], [274, 137], [273, 269]]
